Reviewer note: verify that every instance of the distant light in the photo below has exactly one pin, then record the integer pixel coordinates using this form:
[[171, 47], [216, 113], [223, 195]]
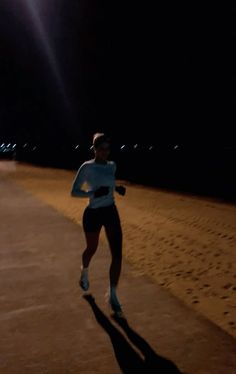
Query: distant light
[[34, 148], [176, 146], [14, 145], [77, 146], [135, 146], [3, 144], [123, 146], [25, 145], [91, 147], [151, 148], [8, 145]]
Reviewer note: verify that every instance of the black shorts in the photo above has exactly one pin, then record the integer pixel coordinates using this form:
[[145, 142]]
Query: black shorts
[[95, 218]]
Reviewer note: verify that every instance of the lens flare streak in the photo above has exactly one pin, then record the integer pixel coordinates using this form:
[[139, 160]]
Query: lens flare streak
[[43, 37]]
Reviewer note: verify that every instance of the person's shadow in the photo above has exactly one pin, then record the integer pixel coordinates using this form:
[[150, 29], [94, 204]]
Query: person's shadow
[[129, 360]]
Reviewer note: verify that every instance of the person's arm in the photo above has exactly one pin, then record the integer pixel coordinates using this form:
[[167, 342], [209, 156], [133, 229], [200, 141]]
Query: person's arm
[[78, 182], [121, 190]]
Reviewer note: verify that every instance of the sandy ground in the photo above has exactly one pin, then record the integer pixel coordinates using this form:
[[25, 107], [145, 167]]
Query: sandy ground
[[186, 244]]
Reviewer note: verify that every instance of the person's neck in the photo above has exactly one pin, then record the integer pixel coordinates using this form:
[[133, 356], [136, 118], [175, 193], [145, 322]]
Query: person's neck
[[100, 161]]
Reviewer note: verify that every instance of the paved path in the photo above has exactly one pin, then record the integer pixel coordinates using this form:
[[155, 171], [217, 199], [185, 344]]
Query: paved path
[[48, 327]]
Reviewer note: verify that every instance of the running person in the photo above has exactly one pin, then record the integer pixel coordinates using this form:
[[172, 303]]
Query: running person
[[99, 176]]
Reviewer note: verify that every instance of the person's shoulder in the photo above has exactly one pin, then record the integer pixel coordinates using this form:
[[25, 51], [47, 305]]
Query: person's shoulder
[[86, 164], [112, 165], [89, 162]]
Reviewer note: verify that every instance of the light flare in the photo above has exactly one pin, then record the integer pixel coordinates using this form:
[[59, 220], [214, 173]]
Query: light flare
[[43, 37]]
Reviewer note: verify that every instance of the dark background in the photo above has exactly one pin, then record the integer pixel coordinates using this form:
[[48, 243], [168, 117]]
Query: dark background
[[145, 74]]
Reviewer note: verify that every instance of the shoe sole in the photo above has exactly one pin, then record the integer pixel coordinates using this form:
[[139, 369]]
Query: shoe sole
[[82, 286], [115, 309]]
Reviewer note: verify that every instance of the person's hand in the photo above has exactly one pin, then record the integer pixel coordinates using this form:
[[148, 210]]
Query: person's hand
[[121, 190], [101, 191]]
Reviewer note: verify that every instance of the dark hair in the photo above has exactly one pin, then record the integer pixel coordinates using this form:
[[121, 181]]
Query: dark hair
[[100, 138]]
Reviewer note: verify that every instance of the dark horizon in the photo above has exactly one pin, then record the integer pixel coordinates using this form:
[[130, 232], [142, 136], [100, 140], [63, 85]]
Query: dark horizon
[[139, 74]]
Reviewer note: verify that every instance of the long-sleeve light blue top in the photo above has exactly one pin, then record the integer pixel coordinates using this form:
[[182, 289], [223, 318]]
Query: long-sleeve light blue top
[[92, 175]]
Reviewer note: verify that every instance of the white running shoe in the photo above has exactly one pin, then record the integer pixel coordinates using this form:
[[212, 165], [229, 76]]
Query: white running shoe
[[84, 282], [115, 305]]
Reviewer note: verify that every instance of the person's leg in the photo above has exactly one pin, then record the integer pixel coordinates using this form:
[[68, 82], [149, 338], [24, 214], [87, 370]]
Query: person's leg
[[114, 236], [92, 239], [92, 228], [92, 245]]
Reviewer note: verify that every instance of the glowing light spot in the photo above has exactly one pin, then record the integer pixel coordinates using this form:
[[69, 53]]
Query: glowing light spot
[[43, 37]]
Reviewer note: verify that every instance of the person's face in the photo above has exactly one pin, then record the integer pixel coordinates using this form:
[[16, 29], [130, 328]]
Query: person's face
[[102, 151]]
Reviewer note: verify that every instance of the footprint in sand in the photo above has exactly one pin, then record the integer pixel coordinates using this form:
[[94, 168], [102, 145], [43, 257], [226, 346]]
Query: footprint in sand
[[227, 286], [189, 291], [195, 301], [199, 254]]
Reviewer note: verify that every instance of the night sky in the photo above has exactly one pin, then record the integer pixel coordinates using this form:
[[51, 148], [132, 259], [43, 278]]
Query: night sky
[[70, 68]]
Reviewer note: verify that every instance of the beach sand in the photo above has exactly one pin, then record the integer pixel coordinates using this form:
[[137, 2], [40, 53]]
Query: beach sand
[[185, 243]]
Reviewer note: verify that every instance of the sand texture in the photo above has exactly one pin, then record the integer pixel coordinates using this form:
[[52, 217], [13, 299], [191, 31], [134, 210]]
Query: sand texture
[[185, 243]]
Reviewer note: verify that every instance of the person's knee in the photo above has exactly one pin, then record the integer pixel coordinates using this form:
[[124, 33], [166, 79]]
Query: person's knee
[[117, 254], [116, 237], [91, 249]]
